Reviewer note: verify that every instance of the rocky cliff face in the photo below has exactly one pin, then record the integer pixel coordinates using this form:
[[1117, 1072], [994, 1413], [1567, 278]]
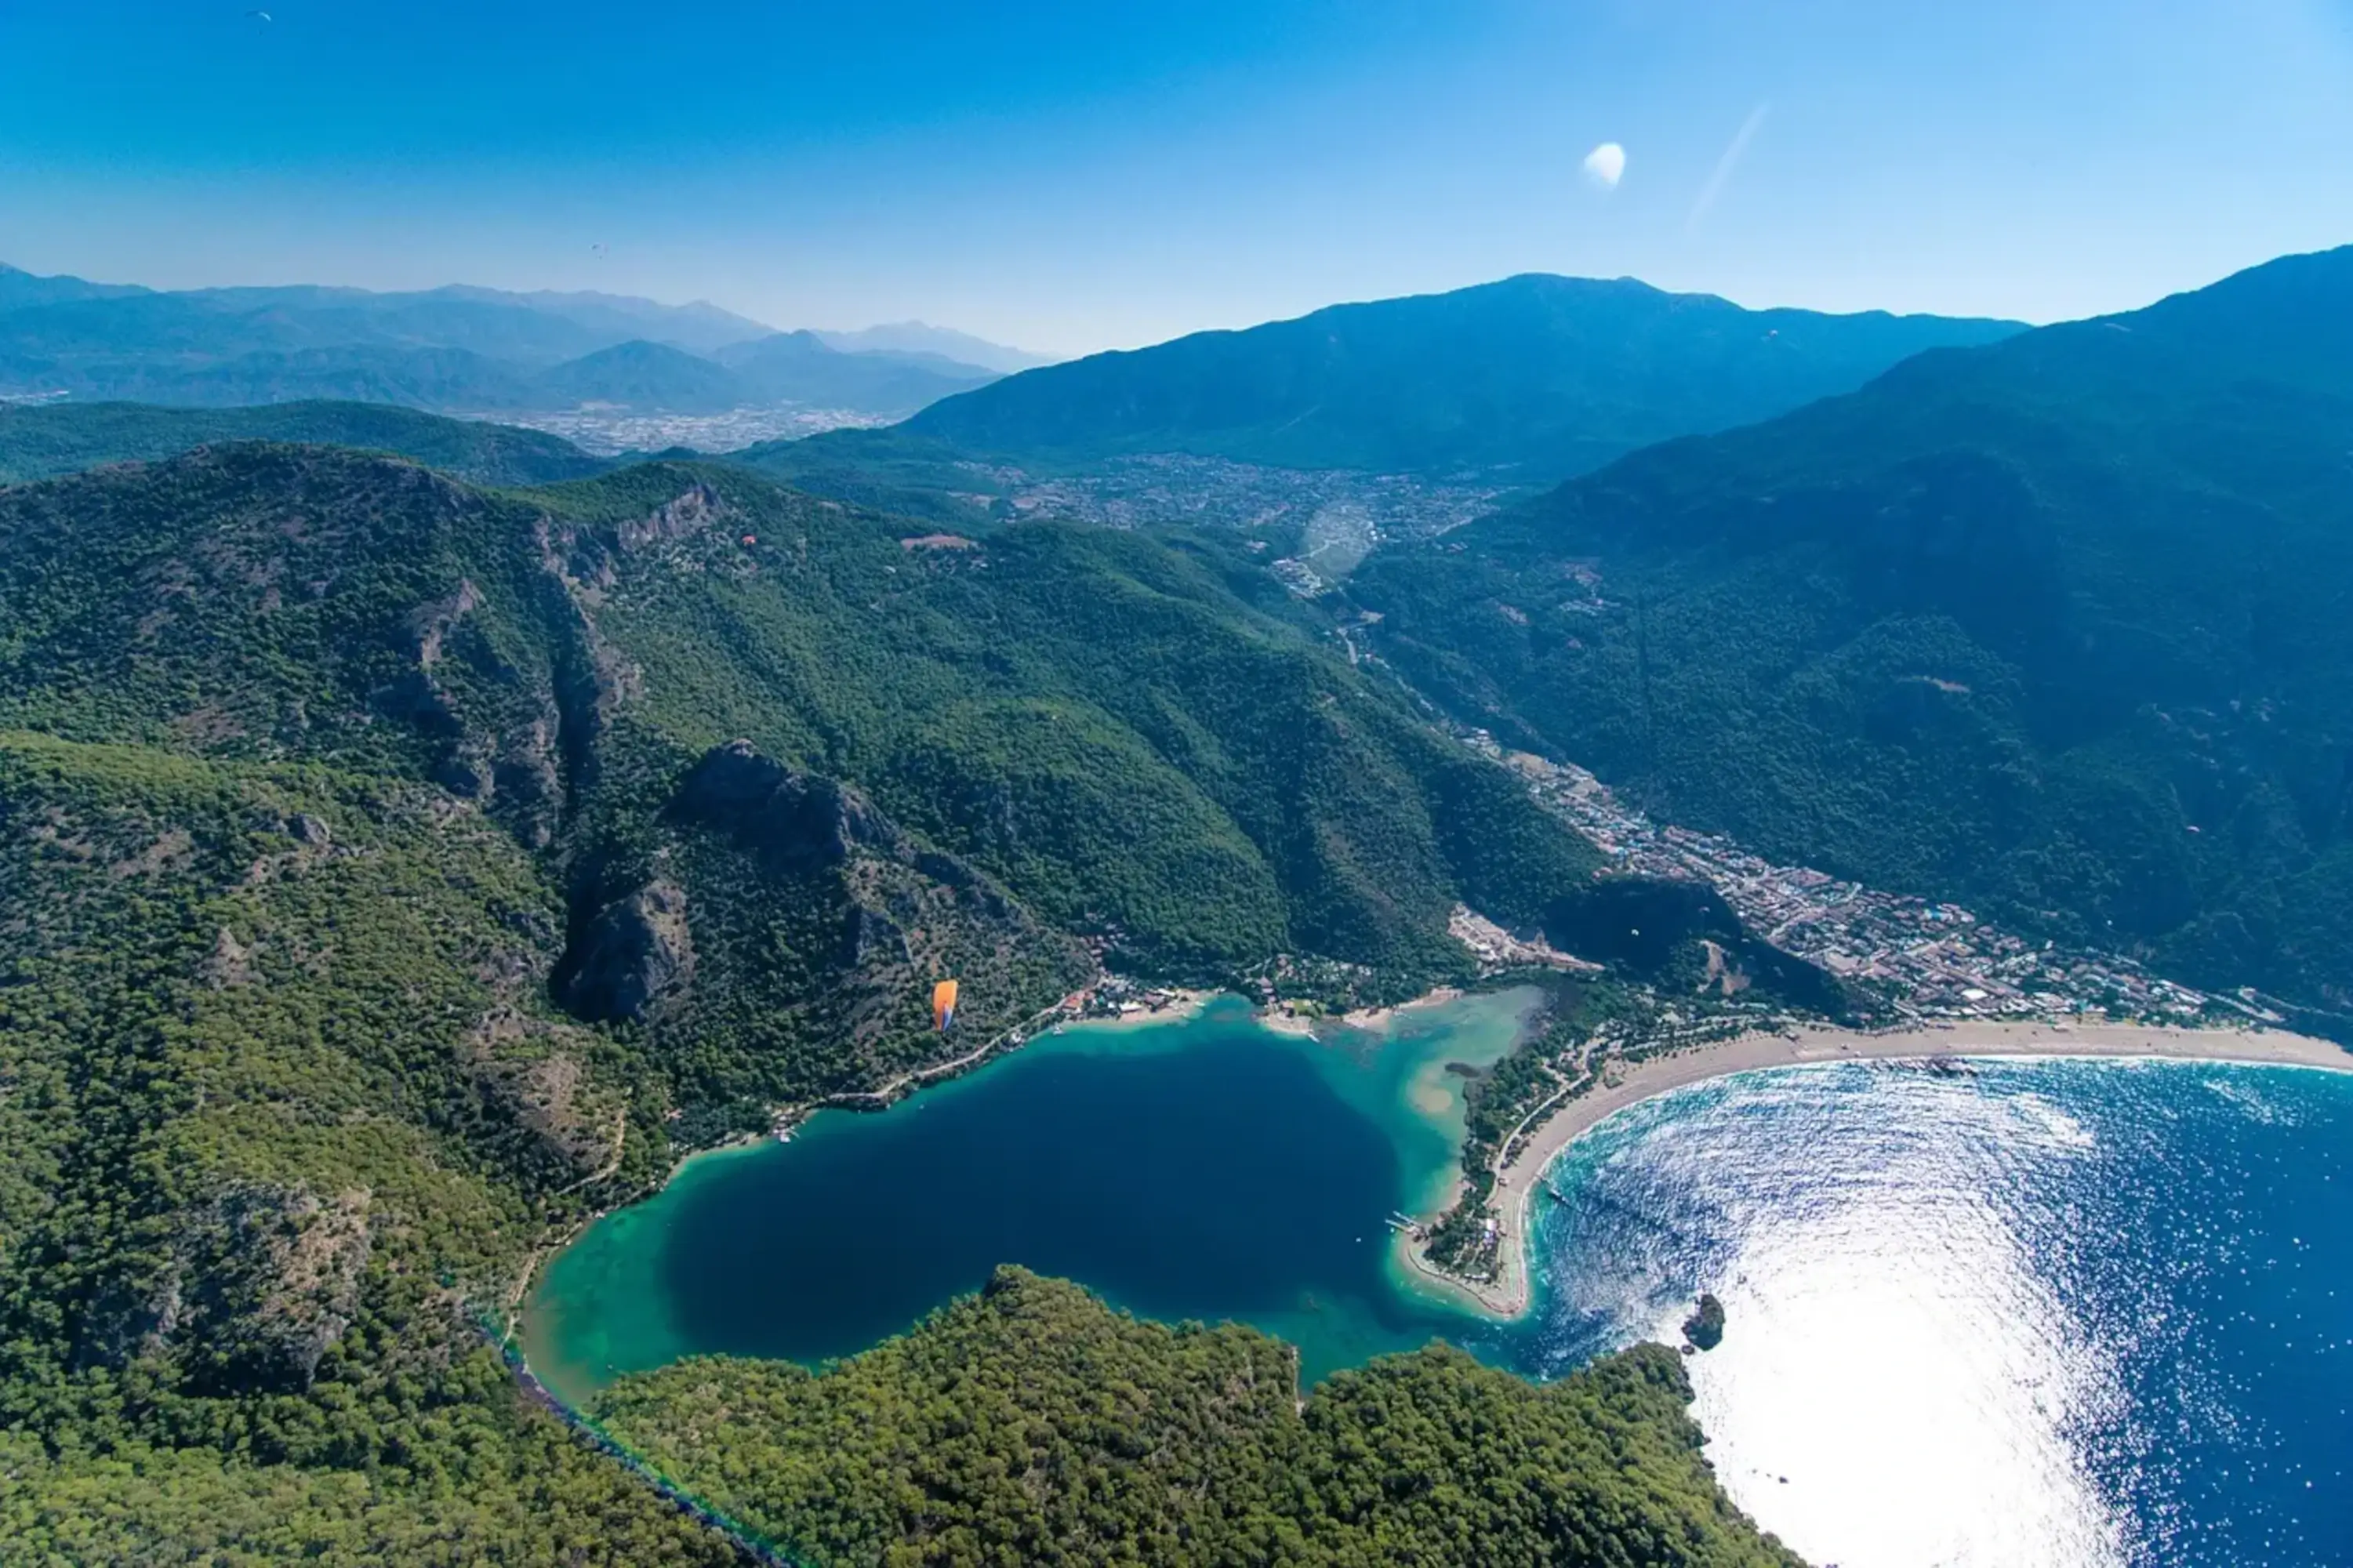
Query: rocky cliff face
[[787, 905], [793, 820], [635, 956]]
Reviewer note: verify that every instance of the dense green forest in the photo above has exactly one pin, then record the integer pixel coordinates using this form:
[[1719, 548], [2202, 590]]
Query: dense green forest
[[40, 440], [1032, 1424], [277, 1101], [1534, 378], [2054, 626], [393, 872]]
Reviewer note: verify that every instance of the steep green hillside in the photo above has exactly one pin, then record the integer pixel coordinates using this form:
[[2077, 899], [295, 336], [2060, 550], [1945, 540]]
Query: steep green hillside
[[40, 440], [393, 873], [1534, 377], [280, 1096], [1128, 1442], [2057, 625]]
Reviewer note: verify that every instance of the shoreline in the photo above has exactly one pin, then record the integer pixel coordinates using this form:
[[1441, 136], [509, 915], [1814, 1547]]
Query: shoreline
[[1184, 1003], [1509, 1297]]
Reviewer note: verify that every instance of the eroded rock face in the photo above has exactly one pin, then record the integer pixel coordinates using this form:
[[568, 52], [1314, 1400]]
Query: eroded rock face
[[698, 508], [259, 1282], [229, 964], [829, 919], [531, 1069], [634, 956]]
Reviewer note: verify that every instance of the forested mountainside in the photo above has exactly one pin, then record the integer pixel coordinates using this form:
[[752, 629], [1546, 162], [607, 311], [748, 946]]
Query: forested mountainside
[[42, 440], [393, 872], [1131, 1442], [2056, 626], [1535, 378]]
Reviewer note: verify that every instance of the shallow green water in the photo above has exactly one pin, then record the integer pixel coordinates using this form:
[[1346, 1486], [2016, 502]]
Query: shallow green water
[[1208, 1168]]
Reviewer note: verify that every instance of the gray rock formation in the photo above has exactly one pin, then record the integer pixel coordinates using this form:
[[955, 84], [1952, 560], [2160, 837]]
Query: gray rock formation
[[634, 957]]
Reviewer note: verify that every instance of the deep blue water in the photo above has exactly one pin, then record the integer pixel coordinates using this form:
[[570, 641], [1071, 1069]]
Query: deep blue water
[[1206, 1169], [2046, 1314], [1223, 1181], [2056, 1313]]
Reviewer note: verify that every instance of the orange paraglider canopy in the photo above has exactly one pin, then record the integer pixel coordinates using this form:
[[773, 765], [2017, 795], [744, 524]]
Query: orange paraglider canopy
[[943, 1002]]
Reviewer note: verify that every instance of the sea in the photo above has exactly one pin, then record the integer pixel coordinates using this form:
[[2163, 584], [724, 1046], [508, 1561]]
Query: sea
[[2052, 1313]]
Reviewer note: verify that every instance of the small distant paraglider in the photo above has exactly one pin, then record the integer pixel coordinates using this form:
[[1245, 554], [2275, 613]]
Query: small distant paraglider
[[258, 16], [599, 250], [750, 539], [1606, 165], [943, 1005]]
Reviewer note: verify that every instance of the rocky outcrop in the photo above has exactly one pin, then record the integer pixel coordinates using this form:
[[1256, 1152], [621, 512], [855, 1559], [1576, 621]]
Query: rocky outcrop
[[631, 959], [527, 790], [429, 624], [856, 915], [230, 962], [793, 820], [259, 1282], [694, 509], [1703, 1330], [533, 1070]]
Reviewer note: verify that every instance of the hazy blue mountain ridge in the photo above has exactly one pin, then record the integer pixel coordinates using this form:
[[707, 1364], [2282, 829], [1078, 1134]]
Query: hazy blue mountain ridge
[[803, 367], [455, 349], [922, 340], [1534, 377]]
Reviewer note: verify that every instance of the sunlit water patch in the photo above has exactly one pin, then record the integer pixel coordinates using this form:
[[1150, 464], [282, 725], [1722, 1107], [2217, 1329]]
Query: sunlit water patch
[[2064, 1313]]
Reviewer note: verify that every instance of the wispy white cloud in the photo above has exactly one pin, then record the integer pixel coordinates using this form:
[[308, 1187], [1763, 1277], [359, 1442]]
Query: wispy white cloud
[[1723, 167]]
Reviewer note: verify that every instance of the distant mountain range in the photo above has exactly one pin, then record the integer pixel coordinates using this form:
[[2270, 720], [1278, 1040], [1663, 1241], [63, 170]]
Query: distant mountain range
[[1530, 379], [455, 349], [2057, 625], [926, 342]]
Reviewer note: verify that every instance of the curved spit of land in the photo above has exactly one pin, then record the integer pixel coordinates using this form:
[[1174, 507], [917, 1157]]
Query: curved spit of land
[[1521, 1160]]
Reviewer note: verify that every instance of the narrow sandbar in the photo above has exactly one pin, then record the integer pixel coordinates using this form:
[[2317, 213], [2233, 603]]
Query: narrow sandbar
[[1517, 1179]]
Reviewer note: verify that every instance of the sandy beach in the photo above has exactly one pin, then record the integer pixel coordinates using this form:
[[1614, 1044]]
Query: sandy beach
[[1516, 1181], [1180, 1005]]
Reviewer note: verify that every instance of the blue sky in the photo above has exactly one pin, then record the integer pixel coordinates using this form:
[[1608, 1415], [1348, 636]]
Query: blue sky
[[1076, 176]]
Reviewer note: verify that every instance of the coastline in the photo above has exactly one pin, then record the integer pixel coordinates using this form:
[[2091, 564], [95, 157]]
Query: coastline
[[1183, 1002], [1509, 1297]]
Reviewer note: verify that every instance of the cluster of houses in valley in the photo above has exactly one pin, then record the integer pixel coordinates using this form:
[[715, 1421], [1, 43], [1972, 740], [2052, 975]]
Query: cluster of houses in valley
[[1927, 959]]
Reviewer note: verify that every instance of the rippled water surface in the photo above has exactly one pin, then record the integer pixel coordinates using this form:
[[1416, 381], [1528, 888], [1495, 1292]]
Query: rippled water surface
[[2035, 1314], [2062, 1313]]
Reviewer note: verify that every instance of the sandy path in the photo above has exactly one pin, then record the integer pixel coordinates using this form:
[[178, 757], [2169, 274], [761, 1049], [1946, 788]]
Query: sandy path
[[1517, 1180]]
